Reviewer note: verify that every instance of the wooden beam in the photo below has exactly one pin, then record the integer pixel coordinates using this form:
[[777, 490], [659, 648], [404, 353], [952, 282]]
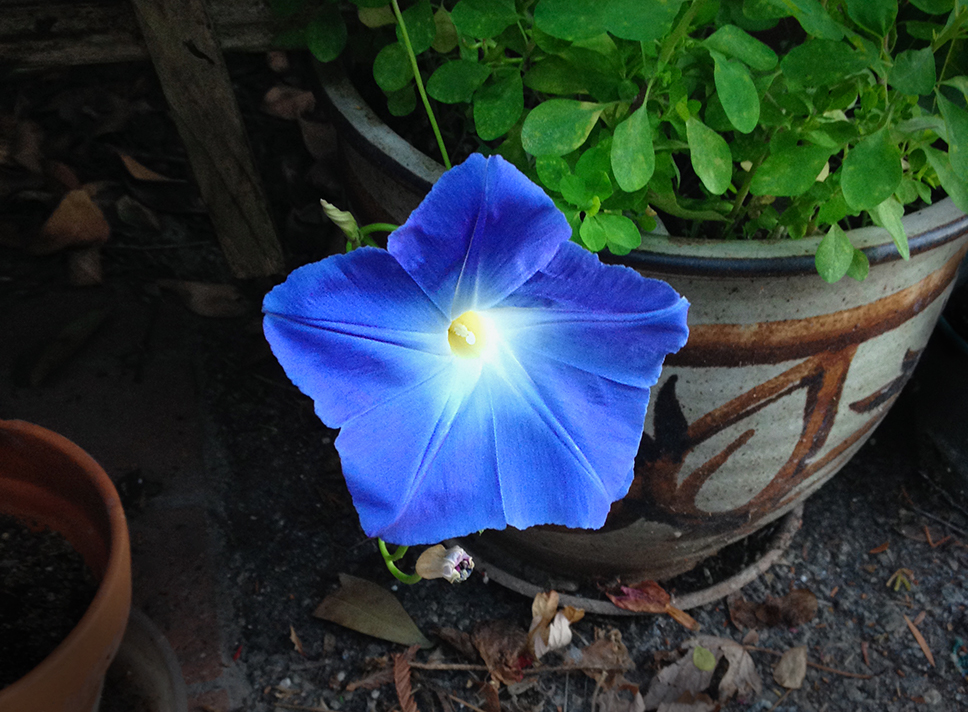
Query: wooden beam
[[179, 38], [37, 33]]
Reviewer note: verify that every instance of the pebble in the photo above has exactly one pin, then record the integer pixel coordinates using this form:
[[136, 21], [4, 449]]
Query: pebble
[[932, 697]]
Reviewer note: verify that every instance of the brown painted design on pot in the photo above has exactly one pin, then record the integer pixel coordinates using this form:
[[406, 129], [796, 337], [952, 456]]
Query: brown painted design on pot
[[659, 491]]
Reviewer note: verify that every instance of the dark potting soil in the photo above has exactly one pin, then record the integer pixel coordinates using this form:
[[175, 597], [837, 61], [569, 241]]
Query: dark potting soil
[[45, 587]]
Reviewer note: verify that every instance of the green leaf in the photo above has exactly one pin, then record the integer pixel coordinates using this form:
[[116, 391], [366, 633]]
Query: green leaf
[[621, 234], [956, 122], [871, 171], [703, 659], [457, 80], [888, 216], [791, 172], [739, 44], [558, 126], [632, 155], [445, 37], [593, 233], [833, 210], [498, 106], [551, 169], [819, 63], [913, 72], [710, 156], [814, 19], [483, 19], [834, 255], [934, 7], [860, 266], [574, 190], [402, 102], [370, 609], [736, 92], [765, 10], [377, 16], [326, 34], [639, 20], [554, 75], [569, 19], [953, 184], [875, 15], [391, 68], [421, 28]]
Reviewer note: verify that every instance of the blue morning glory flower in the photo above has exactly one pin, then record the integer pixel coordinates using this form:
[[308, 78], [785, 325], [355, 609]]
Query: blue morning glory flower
[[484, 370]]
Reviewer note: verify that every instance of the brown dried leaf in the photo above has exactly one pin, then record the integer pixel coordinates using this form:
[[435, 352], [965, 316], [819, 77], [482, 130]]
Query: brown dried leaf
[[377, 678], [921, 641], [76, 221], [401, 679], [459, 641], [683, 618], [503, 647], [741, 612], [741, 678], [367, 608], [644, 597], [211, 300], [684, 677], [297, 644], [489, 692], [605, 659], [690, 702], [792, 668], [796, 608], [673, 681], [286, 102], [140, 172], [618, 701]]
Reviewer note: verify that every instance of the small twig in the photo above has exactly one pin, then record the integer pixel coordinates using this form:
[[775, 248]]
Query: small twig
[[818, 666], [939, 520], [456, 699], [944, 493], [573, 668], [302, 708], [448, 666], [779, 701]]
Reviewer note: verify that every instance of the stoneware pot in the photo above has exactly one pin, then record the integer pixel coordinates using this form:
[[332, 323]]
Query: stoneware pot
[[783, 379], [49, 481]]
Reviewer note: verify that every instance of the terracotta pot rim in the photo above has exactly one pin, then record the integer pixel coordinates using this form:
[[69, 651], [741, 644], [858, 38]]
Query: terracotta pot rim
[[117, 569], [372, 138]]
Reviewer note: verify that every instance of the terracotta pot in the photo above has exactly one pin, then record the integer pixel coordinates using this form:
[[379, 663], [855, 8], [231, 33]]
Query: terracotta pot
[[784, 377], [48, 480]]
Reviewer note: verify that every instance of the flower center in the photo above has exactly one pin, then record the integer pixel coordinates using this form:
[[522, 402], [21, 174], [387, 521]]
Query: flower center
[[467, 335]]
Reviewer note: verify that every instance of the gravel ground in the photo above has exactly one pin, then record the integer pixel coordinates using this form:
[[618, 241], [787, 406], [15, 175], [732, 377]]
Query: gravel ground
[[292, 531]]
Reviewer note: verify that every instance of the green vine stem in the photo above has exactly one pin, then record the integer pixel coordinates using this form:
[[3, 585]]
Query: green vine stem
[[377, 227], [419, 82], [390, 559]]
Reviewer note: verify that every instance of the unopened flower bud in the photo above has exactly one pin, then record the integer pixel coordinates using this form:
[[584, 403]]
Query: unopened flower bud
[[452, 564], [343, 220]]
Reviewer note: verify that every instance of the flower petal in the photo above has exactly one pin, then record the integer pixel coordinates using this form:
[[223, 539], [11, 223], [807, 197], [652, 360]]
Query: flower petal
[[420, 467], [604, 319], [348, 345], [483, 231], [565, 440]]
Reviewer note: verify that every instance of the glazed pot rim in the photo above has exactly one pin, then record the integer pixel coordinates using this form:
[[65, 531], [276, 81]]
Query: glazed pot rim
[[928, 228], [117, 568]]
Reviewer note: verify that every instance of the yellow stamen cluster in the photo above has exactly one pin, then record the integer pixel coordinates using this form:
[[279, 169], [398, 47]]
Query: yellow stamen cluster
[[467, 335]]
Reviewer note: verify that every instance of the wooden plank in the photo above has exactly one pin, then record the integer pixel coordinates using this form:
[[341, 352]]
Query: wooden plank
[[35, 33], [189, 62]]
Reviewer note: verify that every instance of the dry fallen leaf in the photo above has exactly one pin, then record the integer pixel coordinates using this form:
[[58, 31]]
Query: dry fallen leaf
[[792, 668], [741, 612], [650, 597], [796, 608], [605, 659], [920, 638], [213, 300], [139, 171], [550, 628], [684, 676], [503, 647], [76, 221], [367, 608], [459, 641], [690, 702], [297, 644], [286, 102], [401, 679]]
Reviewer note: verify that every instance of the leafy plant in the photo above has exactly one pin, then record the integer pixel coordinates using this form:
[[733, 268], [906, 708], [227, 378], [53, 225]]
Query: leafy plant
[[747, 118]]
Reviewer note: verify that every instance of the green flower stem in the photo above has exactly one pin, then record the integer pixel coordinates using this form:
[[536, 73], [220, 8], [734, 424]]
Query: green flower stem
[[419, 82], [377, 227], [389, 558], [680, 31]]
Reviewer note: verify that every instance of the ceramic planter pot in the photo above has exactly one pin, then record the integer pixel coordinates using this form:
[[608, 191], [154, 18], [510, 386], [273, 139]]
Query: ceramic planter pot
[[783, 379], [47, 480]]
